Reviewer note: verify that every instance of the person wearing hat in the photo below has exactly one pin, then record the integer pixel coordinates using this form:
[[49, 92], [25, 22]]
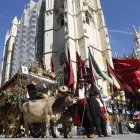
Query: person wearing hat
[[84, 111], [99, 113], [62, 90], [31, 88]]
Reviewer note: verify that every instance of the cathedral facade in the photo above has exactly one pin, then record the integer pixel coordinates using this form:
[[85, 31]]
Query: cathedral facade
[[76, 24], [73, 24]]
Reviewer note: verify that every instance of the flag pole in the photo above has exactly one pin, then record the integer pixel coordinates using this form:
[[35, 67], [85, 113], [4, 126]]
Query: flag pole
[[111, 87], [112, 96]]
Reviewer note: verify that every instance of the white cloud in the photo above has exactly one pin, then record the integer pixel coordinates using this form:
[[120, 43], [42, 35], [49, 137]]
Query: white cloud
[[119, 31], [3, 16]]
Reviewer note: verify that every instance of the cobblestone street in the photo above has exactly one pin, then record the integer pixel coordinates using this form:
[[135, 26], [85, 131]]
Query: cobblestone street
[[117, 137], [122, 137]]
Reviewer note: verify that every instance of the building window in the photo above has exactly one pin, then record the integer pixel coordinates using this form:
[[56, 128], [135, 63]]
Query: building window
[[61, 20], [62, 5], [100, 19], [62, 58], [87, 18]]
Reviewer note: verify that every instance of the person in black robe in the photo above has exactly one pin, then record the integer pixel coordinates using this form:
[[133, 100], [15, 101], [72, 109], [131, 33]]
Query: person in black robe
[[98, 113]]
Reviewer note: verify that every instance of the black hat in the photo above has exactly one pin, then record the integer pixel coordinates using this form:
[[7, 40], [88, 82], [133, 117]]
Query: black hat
[[96, 93]]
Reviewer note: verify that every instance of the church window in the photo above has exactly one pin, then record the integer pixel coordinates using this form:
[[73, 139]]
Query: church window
[[62, 58], [87, 18], [61, 20], [100, 19], [62, 4]]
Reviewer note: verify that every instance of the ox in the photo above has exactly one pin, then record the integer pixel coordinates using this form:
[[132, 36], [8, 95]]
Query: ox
[[40, 111]]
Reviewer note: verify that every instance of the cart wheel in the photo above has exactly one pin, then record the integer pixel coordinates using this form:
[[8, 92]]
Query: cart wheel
[[35, 130]]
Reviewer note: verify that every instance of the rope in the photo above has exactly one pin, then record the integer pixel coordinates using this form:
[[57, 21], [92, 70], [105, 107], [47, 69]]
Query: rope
[[82, 118], [83, 113]]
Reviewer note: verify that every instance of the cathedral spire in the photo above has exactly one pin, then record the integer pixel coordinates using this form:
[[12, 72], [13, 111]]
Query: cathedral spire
[[135, 31], [136, 51], [15, 20]]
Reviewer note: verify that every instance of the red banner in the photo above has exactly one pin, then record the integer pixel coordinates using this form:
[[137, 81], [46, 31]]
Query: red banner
[[129, 71]]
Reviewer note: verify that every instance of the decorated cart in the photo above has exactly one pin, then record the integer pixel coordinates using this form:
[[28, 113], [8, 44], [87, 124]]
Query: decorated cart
[[14, 93]]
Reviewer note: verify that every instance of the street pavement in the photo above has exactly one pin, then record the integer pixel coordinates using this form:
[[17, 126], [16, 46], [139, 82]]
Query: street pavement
[[121, 137], [113, 137]]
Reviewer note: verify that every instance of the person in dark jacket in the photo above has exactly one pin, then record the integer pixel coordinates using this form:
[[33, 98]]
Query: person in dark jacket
[[84, 111], [32, 90], [98, 113]]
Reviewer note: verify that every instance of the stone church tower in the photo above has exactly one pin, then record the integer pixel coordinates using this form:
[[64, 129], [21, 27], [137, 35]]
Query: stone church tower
[[136, 50], [8, 49], [77, 24]]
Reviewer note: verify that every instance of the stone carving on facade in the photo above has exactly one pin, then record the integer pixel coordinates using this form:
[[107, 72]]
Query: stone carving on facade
[[88, 8], [89, 5], [50, 12], [81, 42], [58, 4], [88, 17], [138, 35], [88, 2]]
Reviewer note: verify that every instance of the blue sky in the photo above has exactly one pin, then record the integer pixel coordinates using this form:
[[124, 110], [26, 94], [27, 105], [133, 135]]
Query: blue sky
[[8, 10], [120, 16]]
